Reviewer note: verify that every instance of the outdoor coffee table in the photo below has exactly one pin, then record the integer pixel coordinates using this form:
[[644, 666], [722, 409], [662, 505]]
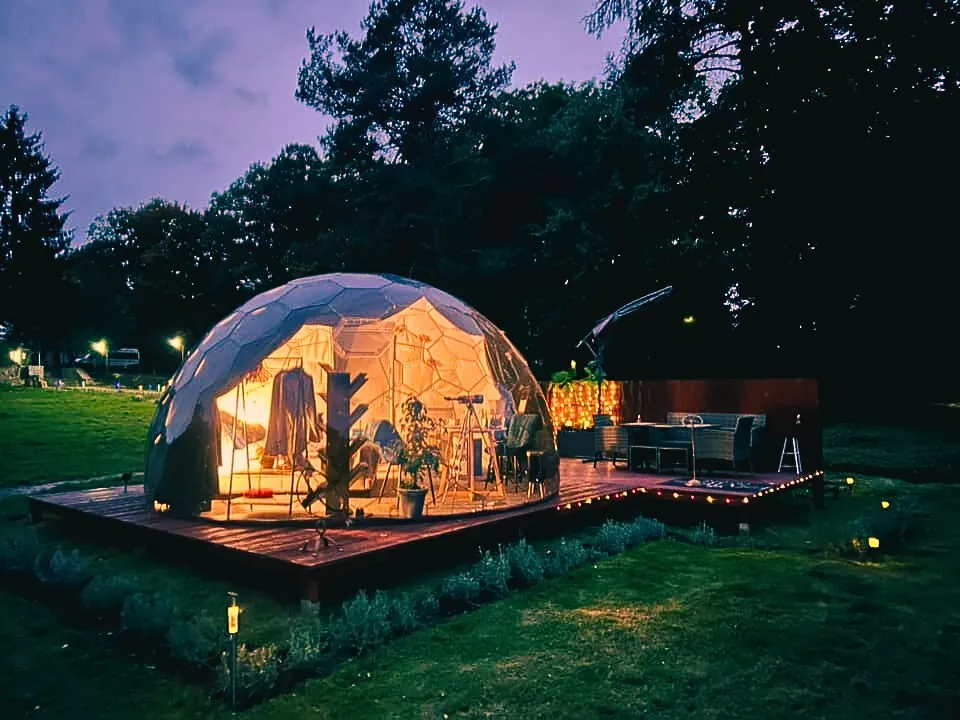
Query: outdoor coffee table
[[656, 447]]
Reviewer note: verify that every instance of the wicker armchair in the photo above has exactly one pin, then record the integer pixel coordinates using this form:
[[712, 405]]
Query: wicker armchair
[[726, 445]]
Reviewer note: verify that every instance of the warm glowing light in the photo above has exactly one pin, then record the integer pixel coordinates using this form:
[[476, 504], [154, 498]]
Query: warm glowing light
[[746, 500], [100, 346], [573, 364], [850, 481], [176, 343], [676, 495], [233, 619], [17, 356], [884, 504], [873, 543], [689, 320], [573, 405], [710, 499]]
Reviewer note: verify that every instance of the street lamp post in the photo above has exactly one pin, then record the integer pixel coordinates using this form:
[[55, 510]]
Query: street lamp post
[[177, 344], [101, 347]]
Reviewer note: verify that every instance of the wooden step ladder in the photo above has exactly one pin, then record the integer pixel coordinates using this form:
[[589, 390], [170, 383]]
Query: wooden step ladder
[[790, 454]]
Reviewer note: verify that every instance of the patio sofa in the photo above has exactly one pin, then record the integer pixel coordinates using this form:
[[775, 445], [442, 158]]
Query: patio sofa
[[727, 422]]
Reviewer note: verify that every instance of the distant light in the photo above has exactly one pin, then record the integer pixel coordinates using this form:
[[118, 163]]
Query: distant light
[[689, 320], [100, 346], [17, 356], [850, 481], [176, 343], [573, 364], [873, 543], [884, 504]]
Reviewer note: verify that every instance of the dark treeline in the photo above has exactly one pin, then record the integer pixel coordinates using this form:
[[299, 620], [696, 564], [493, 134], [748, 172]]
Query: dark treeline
[[786, 166]]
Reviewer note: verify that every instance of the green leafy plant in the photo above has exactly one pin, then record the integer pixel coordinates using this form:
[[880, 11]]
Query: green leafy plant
[[562, 378], [364, 623], [257, 673], [526, 567], [594, 372], [69, 571], [564, 556], [461, 590], [310, 648], [612, 538], [493, 574], [419, 455], [195, 641], [105, 595], [147, 617], [704, 536]]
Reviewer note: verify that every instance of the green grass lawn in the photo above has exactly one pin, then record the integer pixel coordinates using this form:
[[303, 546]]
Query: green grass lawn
[[50, 435], [793, 627], [924, 454]]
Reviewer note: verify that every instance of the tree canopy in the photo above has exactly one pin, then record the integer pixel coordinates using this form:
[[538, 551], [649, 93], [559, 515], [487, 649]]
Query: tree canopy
[[785, 166]]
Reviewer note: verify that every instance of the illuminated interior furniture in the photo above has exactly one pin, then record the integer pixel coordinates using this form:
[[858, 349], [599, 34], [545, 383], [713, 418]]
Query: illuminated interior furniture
[[521, 433], [728, 446], [466, 463], [536, 473], [386, 443]]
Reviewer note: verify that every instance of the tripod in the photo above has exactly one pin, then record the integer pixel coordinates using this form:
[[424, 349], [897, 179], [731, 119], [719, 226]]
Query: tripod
[[465, 451]]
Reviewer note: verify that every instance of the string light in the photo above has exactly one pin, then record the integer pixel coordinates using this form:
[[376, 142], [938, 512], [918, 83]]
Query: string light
[[696, 497], [574, 405]]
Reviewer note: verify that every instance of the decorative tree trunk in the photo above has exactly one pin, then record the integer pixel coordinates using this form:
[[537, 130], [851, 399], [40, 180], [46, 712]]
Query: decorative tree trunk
[[340, 450]]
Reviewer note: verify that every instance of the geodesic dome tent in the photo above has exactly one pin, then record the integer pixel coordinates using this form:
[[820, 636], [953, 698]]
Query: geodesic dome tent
[[303, 388]]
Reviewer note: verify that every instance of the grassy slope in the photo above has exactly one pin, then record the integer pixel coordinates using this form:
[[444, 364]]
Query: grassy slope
[[51, 435], [666, 631]]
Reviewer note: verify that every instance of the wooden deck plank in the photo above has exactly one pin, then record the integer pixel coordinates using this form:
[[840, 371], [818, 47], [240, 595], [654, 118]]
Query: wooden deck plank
[[582, 487]]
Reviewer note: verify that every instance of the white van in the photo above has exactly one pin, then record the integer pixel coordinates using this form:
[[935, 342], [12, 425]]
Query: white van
[[119, 359], [124, 358]]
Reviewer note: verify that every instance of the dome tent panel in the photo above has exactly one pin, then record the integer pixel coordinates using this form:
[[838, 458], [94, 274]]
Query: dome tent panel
[[255, 401]]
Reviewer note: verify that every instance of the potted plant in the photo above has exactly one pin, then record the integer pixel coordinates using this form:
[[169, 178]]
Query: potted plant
[[419, 457]]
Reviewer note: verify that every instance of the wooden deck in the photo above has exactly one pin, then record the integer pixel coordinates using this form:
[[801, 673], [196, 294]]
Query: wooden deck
[[280, 547]]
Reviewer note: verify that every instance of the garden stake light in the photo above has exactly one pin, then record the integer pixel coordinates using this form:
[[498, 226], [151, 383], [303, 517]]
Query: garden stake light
[[233, 628]]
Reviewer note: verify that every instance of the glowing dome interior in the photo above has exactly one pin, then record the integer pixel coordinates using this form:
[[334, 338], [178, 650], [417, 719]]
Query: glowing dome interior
[[250, 425]]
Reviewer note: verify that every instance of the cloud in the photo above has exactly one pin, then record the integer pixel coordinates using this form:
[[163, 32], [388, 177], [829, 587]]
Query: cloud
[[144, 23], [198, 64], [182, 151], [256, 98], [98, 147]]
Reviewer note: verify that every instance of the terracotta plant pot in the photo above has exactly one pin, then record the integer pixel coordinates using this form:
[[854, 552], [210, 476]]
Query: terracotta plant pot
[[411, 502]]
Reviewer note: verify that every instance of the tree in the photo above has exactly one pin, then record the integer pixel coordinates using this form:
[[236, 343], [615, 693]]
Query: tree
[[151, 263], [421, 75], [270, 224], [826, 143], [32, 236]]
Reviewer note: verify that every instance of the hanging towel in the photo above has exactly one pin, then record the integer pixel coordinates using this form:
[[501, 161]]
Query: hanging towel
[[293, 416]]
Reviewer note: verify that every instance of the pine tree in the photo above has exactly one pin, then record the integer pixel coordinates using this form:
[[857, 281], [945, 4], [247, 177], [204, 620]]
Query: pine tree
[[32, 237]]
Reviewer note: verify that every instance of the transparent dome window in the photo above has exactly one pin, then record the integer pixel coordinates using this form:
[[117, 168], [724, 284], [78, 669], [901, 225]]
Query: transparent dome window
[[298, 406]]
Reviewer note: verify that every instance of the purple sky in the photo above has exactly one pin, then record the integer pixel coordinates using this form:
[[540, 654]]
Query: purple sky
[[176, 98]]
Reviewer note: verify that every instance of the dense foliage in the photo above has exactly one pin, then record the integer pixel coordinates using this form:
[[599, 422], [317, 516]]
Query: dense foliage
[[785, 166]]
